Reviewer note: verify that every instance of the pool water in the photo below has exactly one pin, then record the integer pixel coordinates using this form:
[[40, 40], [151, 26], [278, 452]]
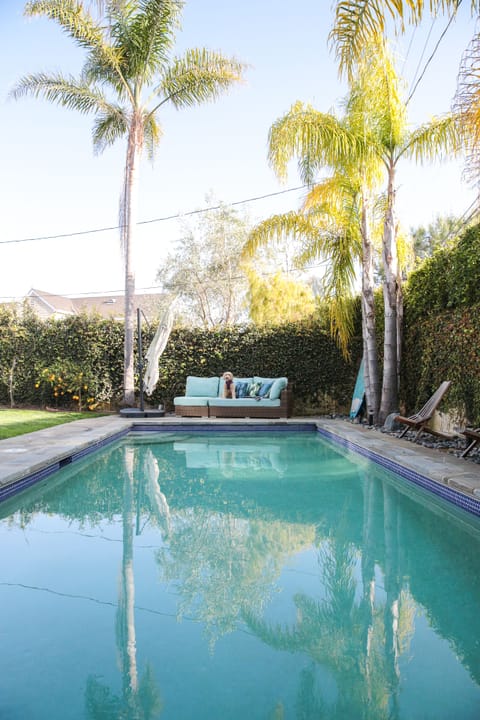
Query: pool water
[[236, 576]]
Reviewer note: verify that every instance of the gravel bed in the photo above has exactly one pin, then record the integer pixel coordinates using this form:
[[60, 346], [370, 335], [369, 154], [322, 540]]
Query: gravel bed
[[454, 446]]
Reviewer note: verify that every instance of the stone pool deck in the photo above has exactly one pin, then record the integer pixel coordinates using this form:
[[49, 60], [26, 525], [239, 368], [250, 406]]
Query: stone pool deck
[[28, 454]]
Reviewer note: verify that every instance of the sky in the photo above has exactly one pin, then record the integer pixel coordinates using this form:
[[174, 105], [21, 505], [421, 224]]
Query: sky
[[53, 183]]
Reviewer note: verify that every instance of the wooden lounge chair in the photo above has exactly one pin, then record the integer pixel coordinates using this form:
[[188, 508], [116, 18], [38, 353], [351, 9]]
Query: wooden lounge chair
[[473, 438], [419, 421]]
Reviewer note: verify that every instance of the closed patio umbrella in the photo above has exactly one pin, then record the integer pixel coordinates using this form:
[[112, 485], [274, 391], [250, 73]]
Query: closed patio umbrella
[[156, 348]]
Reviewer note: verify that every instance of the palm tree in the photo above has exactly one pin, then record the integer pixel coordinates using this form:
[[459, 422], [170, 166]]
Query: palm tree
[[373, 134], [377, 96], [336, 218], [129, 75]]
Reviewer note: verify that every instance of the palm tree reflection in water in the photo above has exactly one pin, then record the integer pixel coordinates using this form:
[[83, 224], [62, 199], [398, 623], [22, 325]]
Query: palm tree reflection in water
[[140, 700]]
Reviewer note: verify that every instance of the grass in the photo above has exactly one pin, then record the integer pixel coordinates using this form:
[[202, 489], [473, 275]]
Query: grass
[[18, 422]]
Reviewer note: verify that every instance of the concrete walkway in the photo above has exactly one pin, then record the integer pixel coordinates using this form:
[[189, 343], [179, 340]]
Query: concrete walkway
[[28, 454]]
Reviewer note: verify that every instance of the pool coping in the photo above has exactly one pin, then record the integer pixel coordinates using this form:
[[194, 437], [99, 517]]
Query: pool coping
[[26, 459]]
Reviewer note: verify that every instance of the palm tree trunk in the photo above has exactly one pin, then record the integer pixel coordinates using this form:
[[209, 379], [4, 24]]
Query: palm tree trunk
[[389, 400], [371, 375], [128, 215]]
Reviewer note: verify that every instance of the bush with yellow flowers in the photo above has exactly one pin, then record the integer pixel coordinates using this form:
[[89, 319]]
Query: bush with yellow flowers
[[65, 384]]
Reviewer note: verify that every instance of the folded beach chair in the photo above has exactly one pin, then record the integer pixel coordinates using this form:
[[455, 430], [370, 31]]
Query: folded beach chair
[[419, 421], [474, 437]]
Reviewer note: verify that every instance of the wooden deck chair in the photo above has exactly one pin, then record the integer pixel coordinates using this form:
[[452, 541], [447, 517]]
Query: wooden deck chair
[[419, 421], [474, 437]]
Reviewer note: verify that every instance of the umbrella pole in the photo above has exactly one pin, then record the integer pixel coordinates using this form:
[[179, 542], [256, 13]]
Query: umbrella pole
[[140, 358]]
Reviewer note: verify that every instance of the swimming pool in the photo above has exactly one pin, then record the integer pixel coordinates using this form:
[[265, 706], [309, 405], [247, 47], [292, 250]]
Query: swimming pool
[[247, 575]]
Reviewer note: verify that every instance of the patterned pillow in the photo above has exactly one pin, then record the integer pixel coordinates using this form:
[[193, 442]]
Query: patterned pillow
[[264, 390], [253, 389], [241, 389]]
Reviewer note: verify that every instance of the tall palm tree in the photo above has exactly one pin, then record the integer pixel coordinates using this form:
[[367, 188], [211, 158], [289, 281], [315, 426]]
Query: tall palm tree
[[378, 97], [129, 75], [374, 133], [335, 221]]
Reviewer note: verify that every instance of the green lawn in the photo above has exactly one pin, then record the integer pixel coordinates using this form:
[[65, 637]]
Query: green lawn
[[19, 422]]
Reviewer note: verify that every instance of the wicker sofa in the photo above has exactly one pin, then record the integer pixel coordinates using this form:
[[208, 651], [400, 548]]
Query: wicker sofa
[[204, 398]]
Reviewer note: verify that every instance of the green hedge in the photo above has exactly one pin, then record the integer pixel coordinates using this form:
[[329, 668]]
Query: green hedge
[[323, 380], [442, 328]]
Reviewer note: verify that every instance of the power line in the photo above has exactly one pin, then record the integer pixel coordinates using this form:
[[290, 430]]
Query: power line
[[432, 54], [155, 220]]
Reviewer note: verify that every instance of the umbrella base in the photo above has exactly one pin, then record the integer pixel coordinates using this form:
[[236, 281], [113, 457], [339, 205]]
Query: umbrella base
[[137, 413]]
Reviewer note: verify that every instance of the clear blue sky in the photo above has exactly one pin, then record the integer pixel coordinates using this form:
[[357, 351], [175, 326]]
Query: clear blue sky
[[52, 183]]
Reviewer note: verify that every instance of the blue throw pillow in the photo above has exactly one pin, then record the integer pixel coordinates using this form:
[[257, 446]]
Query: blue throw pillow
[[241, 389], [265, 390]]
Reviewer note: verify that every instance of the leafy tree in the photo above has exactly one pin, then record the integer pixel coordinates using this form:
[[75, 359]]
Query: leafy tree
[[279, 299], [436, 235], [129, 75], [205, 272]]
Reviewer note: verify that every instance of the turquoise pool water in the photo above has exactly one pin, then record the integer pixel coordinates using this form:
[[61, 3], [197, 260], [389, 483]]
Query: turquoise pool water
[[236, 576]]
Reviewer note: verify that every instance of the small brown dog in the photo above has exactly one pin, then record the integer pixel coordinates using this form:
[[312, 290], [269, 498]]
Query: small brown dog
[[228, 385]]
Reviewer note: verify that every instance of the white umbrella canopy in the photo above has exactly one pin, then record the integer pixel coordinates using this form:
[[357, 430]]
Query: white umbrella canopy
[[156, 348]]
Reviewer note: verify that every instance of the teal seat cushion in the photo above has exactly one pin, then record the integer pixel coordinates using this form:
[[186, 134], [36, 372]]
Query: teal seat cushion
[[278, 384], [201, 386], [243, 402], [186, 400]]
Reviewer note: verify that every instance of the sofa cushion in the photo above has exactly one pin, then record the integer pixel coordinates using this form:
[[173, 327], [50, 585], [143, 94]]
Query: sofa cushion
[[241, 389], [278, 384], [264, 390], [243, 402], [186, 400], [201, 386], [253, 388]]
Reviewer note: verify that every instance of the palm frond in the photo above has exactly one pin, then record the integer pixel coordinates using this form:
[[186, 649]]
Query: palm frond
[[149, 37], [64, 91], [108, 127], [434, 140], [200, 75], [79, 25], [317, 139], [152, 135], [293, 224], [357, 21]]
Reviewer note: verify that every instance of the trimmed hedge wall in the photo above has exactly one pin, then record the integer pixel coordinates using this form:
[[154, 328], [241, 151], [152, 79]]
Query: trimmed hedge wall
[[442, 328], [323, 380]]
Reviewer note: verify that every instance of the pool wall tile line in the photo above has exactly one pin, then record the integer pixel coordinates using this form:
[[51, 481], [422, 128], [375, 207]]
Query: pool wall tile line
[[455, 497], [222, 428], [9, 490], [26, 482]]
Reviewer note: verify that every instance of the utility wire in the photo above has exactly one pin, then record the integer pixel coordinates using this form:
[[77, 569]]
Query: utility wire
[[156, 220], [433, 53]]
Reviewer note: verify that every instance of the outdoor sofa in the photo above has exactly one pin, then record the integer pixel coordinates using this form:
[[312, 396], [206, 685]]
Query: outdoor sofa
[[259, 398]]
